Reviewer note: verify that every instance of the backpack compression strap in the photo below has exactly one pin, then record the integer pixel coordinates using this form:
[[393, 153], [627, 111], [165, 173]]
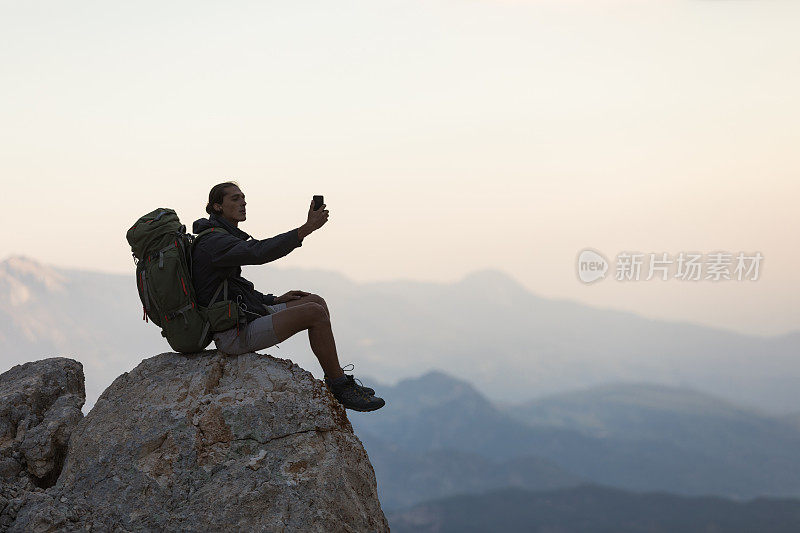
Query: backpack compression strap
[[222, 287]]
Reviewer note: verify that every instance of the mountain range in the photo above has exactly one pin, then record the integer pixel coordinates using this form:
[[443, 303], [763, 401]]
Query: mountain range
[[636, 437], [486, 329], [593, 509]]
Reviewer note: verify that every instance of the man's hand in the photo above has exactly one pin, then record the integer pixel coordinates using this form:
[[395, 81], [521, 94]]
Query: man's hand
[[316, 219], [289, 296]]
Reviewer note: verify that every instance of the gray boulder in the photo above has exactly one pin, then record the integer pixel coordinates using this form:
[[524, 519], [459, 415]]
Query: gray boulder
[[208, 442], [40, 406]]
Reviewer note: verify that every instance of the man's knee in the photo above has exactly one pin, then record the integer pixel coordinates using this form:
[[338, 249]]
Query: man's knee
[[298, 318], [317, 299], [317, 313]]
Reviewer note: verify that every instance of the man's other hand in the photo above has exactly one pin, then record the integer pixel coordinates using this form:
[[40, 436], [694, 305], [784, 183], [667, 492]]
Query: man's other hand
[[291, 295]]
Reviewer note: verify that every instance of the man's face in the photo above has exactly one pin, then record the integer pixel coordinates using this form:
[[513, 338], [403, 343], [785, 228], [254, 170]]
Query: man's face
[[233, 206]]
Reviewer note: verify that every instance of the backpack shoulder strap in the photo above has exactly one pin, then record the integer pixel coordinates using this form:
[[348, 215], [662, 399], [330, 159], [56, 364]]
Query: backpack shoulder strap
[[223, 286], [207, 231]]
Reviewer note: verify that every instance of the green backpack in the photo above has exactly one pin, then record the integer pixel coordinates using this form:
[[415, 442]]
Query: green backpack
[[162, 251]]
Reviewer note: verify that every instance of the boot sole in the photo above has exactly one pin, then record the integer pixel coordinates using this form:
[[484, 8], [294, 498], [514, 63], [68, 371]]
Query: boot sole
[[359, 409], [363, 410]]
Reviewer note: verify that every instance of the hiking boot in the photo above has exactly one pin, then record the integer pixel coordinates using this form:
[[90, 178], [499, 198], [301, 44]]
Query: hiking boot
[[350, 395], [367, 390]]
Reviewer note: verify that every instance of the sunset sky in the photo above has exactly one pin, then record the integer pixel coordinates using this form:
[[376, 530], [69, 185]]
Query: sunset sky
[[446, 136]]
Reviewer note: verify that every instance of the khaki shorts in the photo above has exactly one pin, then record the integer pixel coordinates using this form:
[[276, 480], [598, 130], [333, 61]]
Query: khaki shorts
[[257, 335]]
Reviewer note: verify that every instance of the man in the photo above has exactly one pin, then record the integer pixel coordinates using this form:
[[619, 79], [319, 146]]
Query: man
[[270, 319]]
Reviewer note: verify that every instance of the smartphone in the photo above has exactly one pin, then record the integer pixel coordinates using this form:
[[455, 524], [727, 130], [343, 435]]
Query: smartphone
[[318, 201]]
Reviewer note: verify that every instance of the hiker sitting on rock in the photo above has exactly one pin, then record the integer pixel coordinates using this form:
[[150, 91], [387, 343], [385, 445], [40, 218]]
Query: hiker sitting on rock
[[270, 319]]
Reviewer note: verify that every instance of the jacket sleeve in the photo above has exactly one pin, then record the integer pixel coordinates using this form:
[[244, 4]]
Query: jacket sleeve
[[268, 299], [229, 251]]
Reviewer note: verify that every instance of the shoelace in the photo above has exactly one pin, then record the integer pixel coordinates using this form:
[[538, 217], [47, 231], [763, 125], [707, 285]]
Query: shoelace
[[359, 388], [352, 378]]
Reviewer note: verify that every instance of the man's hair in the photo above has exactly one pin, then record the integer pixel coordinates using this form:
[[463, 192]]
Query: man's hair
[[217, 194]]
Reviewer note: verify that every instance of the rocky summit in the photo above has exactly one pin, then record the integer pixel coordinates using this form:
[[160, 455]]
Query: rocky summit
[[201, 442]]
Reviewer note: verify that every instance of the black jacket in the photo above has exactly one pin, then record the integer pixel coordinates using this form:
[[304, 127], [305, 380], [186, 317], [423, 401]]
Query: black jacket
[[220, 255]]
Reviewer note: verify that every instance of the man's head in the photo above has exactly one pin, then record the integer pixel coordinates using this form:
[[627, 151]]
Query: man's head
[[226, 200]]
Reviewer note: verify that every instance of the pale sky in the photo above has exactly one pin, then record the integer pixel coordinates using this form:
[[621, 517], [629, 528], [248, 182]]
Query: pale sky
[[446, 136]]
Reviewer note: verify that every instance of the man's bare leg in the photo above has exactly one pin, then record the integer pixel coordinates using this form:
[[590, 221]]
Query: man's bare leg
[[315, 318], [313, 298], [310, 312]]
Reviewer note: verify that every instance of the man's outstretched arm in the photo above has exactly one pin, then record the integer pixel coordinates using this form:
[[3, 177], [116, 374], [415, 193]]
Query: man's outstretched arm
[[231, 251]]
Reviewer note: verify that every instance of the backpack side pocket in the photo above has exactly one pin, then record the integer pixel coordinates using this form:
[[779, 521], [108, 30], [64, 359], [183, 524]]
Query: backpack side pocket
[[223, 315]]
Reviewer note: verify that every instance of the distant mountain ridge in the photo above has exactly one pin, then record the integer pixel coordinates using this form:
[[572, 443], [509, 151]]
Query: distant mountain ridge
[[409, 477], [673, 440], [609, 406], [486, 329], [595, 509]]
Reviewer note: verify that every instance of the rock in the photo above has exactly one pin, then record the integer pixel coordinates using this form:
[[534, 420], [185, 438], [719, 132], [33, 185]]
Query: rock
[[40, 405], [9, 468], [45, 444], [211, 442]]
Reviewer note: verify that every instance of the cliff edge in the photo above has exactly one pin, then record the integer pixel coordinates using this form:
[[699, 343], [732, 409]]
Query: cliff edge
[[210, 442]]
